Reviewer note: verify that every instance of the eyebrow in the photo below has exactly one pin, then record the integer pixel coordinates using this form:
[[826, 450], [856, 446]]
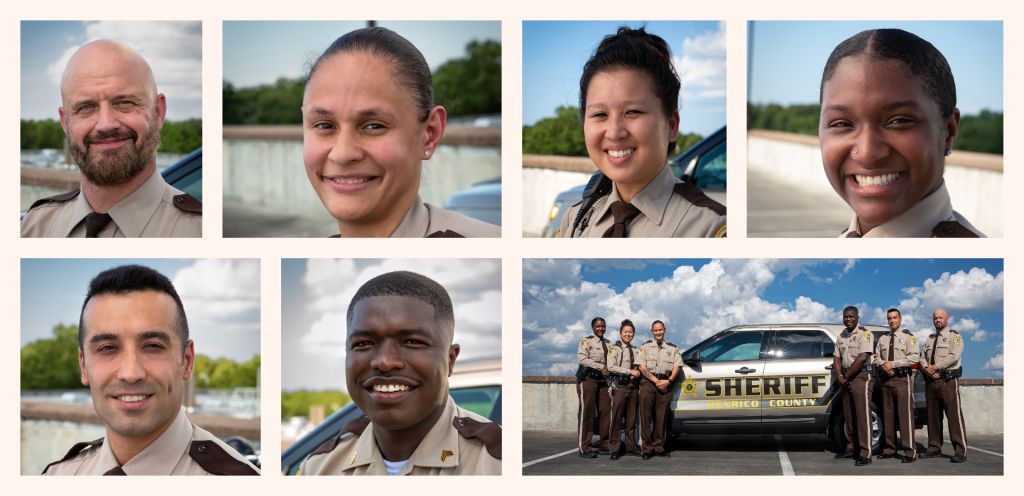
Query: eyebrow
[[154, 334], [370, 112], [905, 103], [626, 103], [838, 108], [402, 332]]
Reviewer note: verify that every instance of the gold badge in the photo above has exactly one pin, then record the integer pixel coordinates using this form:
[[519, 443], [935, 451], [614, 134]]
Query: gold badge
[[445, 454], [352, 458], [689, 386]]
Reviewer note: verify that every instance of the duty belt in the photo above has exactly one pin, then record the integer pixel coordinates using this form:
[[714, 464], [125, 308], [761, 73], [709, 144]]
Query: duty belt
[[950, 374], [896, 373], [663, 377]]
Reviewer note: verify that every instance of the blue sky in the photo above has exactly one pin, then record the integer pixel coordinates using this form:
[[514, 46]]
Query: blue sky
[[789, 57], [261, 52], [316, 294], [172, 48], [697, 298], [221, 298], [554, 53]]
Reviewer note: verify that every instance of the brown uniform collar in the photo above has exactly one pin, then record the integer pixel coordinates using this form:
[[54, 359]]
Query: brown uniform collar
[[442, 437], [652, 200], [161, 456], [917, 222], [130, 214]]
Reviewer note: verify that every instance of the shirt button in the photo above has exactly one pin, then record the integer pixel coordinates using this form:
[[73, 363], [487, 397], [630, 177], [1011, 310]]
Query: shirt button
[[179, 200], [202, 449], [948, 230]]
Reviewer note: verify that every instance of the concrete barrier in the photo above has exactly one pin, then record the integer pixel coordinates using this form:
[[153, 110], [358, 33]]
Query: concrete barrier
[[551, 403], [544, 177], [974, 180]]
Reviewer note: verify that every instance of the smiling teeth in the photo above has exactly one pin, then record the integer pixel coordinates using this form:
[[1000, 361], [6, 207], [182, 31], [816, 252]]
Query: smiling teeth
[[131, 399], [877, 180], [351, 181], [390, 388], [621, 153]]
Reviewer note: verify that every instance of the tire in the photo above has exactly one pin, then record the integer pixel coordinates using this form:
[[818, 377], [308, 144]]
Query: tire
[[841, 437]]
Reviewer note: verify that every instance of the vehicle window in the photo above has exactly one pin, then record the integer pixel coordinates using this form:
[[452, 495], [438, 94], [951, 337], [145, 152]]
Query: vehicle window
[[191, 183], [732, 347], [711, 169], [827, 346], [796, 344], [479, 400]]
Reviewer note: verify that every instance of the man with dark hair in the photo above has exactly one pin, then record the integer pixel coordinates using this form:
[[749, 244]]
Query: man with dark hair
[[112, 115], [135, 357], [940, 364], [898, 351], [852, 364], [659, 362], [400, 355], [592, 390]]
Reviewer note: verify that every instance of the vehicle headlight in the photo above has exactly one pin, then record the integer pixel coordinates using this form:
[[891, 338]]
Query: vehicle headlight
[[554, 211]]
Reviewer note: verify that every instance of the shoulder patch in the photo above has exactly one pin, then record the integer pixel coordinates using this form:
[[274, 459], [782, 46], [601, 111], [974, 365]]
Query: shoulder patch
[[867, 337], [215, 460], [75, 450], [354, 426], [488, 432], [70, 195], [697, 197], [186, 203], [611, 350], [445, 234], [583, 342], [956, 339], [952, 229]]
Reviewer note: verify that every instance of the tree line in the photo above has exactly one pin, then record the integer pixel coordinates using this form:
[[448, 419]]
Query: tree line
[[175, 137], [978, 133], [469, 85], [563, 135], [297, 403], [52, 363]]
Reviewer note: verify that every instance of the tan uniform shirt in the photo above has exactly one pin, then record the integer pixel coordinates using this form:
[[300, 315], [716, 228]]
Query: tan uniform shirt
[[906, 350], [850, 344], [932, 217], [669, 208], [460, 443], [592, 354], [427, 221], [659, 359], [154, 210], [182, 449], [618, 357], [949, 346]]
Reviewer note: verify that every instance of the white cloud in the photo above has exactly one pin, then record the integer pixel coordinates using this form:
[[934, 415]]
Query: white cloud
[[216, 290], [976, 290], [701, 66], [994, 363]]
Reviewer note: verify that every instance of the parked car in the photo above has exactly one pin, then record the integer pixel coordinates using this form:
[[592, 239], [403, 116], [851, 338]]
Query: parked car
[[481, 201], [474, 385], [249, 449], [703, 164]]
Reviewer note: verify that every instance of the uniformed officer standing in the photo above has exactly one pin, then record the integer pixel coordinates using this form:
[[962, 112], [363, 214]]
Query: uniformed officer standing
[[941, 365], [659, 362], [852, 365], [591, 388], [898, 351], [625, 374]]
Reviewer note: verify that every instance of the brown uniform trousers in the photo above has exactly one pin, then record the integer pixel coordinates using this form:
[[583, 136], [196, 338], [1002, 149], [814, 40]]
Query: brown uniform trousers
[[857, 409], [943, 396], [593, 392], [624, 403], [653, 408], [900, 389]]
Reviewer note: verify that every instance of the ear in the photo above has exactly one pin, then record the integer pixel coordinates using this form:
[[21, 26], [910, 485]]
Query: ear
[[190, 359], [453, 353], [952, 129], [161, 110], [436, 120], [673, 126], [63, 119], [81, 366]]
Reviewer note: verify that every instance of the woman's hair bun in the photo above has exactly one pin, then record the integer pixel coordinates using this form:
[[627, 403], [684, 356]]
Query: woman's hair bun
[[627, 322]]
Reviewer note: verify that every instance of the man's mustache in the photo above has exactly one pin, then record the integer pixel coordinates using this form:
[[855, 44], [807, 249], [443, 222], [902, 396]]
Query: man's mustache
[[109, 135]]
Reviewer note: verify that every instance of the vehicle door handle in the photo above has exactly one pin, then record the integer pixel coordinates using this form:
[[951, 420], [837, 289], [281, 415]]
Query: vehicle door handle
[[828, 368], [745, 370]]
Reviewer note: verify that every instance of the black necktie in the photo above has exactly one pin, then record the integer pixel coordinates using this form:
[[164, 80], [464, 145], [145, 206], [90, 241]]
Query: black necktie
[[605, 347], [892, 338], [623, 213], [94, 223], [935, 346], [630, 356]]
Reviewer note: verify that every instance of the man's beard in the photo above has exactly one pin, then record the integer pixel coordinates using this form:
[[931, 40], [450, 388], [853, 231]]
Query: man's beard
[[116, 167]]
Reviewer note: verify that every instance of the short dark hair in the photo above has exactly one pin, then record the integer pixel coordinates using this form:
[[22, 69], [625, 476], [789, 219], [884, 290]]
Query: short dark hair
[[133, 278], [594, 322], [887, 312], [851, 307], [657, 322], [411, 285], [627, 323], [409, 67], [637, 50], [921, 58]]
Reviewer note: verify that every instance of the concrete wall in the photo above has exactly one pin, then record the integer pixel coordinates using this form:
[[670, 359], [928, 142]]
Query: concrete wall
[[46, 441], [540, 187], [974, 180]]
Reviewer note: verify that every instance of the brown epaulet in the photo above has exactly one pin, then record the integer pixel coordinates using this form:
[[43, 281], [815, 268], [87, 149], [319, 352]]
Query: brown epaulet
[[186, 203], [907, 332], [488, 432], [590, 337], [335, 236], [952, 229], [862, 328], [354, 426], [215, 460], [445, 234], [77, 448], [697, 197], [671, 344], [648, 341], [70, 195], [954, 331]]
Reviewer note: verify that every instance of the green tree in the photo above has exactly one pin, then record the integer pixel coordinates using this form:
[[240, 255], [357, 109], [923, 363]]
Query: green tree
[[52, 363], [36, 135], [297, 403], [558, 135], [684, 142], [278, 103], [181, 136], [981, 133], [471, 85], [224, 373]]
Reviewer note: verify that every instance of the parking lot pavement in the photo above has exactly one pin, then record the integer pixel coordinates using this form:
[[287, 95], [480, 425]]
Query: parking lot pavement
[[807, 454], [777, 208]]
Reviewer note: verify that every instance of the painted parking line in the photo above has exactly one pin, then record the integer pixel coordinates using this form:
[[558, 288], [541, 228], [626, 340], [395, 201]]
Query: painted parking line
[[981, 450], [787, 468], [552, 457]]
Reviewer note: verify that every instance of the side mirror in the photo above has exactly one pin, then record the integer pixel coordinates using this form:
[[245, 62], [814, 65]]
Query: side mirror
[[692, 360], [829, 355]]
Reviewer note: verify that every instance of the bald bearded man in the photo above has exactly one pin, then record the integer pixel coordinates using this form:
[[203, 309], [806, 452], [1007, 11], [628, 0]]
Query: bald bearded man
[[112, 115]]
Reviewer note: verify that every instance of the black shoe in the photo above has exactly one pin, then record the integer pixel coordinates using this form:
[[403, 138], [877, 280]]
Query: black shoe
[[615, 456], [634, 453], [883, 456], [646, 456], [663, 454], [589, 454], [908, 459], [604, 452], [842, 456], [863, 461], [958, 459], [928, 454]]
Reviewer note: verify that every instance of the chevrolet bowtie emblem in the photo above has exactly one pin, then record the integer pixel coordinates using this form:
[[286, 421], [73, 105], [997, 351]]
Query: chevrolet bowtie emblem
[[445, 454], [351, 458]]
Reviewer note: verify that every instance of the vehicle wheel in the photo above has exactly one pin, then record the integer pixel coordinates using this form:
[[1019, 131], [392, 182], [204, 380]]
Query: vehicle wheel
[[842, 437]]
